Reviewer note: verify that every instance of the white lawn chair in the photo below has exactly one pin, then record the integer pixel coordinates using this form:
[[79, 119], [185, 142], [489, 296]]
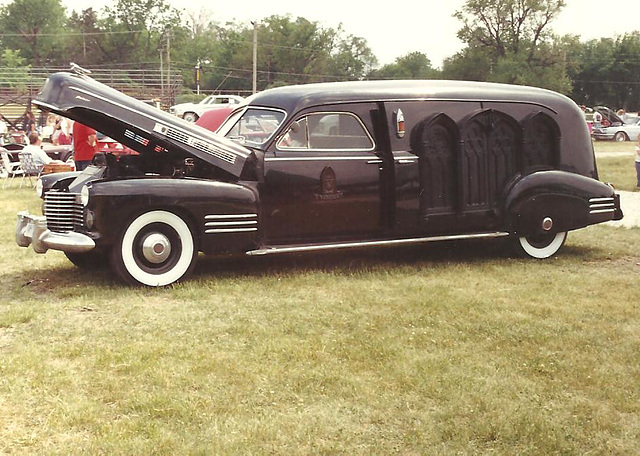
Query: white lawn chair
[[29, 167], [13, 169]]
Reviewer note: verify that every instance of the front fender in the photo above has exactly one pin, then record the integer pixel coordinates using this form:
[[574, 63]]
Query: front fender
[[566, 199], [114, 204]]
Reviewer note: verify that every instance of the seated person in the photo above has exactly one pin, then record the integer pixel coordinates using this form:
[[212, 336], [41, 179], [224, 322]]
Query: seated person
[[40, 158]]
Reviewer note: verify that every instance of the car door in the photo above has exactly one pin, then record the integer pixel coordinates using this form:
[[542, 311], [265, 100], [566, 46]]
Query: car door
[[322, 178]]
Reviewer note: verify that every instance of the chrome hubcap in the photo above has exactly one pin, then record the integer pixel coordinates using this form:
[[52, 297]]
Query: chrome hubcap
[[156, 248]]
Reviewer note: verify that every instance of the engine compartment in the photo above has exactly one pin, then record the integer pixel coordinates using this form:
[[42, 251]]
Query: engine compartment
[[161, 164]]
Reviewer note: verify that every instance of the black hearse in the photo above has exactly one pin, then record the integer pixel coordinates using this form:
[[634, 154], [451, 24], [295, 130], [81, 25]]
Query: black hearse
[[320, 166]]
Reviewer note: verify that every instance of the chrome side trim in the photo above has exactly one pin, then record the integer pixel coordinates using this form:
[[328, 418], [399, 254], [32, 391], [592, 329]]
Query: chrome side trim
[[230, 223], [323, 158], [348, 245], [230, 230], [228, 216], [602, 206], [250, 222]]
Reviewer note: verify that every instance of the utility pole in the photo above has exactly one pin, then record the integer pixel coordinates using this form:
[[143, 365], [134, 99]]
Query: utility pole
[[255, 56], [169, 85], [161, 73]]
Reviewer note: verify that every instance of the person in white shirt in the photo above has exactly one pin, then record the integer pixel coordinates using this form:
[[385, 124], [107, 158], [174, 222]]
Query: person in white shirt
[[40, 158]]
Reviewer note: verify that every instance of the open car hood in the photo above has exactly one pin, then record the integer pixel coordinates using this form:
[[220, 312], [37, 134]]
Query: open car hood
[[143, 128]]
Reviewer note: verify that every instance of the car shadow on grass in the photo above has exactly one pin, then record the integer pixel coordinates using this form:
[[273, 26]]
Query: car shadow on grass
[[350, 261], [345, 261]]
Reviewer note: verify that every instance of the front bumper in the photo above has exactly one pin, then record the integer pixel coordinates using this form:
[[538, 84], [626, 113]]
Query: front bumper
[[32, 230], [602, 136]]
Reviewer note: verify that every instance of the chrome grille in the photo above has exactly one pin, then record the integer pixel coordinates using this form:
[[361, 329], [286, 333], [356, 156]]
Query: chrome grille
[[63, 211]]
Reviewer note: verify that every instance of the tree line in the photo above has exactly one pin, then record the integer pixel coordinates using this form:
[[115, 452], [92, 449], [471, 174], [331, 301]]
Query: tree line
[[507, 41]]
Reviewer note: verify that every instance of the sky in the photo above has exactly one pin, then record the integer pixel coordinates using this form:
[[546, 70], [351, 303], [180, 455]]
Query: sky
[[400, 27]]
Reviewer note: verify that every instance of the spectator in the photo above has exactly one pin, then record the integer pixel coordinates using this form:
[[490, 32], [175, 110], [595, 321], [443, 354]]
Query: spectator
[[84, 145], [40, 158], [29, 122], [597, 119], [61, 136]]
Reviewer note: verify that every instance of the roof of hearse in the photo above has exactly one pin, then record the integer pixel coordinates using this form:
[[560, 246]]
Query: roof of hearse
[[294, 98]]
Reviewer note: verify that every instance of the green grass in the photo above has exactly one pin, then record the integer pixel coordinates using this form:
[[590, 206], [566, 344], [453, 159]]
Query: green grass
[[618, 170], [454, 348], [614, 146]]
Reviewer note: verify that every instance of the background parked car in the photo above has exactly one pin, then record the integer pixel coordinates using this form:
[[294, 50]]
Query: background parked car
[[192, 111], [619, 131], [213, 118]]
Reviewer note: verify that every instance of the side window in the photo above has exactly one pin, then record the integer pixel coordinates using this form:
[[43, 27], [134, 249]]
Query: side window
[[327, 131]]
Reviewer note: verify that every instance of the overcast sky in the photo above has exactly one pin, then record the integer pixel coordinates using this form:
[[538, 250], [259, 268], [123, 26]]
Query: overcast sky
[[400, 27]]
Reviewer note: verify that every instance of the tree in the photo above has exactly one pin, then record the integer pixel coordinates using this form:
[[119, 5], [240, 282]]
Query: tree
[[84, 41], [414, 65], [608, 72], [138, 28], [33, 27], [513, 37]]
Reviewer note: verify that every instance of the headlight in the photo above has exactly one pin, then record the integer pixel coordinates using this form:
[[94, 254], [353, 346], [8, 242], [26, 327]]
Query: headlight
[[84, 196], [39, 188]]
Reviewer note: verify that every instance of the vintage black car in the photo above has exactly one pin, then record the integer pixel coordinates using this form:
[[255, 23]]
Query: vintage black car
[[322, 166]]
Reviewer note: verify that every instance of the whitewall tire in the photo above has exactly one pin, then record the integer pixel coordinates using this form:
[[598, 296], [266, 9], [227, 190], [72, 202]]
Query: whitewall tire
[[156, 249], [541, 246]]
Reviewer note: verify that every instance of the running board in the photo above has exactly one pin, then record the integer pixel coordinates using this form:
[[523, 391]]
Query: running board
[[349, 245]]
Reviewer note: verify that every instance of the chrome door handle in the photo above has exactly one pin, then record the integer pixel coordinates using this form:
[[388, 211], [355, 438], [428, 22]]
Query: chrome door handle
[[405, 161], [374, 162]]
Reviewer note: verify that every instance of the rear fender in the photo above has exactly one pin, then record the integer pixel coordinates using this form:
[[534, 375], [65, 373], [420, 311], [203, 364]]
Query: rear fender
[[552, 201]]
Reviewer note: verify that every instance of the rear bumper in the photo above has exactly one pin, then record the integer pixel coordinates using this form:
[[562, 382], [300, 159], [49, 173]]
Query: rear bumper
[[32, 230]]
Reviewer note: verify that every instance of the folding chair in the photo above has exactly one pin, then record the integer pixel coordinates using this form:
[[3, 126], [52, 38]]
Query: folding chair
[[29, 167], [13, 169]]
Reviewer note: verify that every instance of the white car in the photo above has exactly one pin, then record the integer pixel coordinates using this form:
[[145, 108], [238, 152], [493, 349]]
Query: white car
[[192, 111]]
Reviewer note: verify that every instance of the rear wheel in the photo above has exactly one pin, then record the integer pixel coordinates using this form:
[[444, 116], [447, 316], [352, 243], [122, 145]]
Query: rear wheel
[[156, 249], [542, 245]]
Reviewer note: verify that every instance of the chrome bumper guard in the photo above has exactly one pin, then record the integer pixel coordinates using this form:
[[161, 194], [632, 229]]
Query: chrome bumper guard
[[32, 230]]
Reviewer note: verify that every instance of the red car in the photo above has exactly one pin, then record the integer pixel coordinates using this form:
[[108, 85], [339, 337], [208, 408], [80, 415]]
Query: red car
[[213, 118]]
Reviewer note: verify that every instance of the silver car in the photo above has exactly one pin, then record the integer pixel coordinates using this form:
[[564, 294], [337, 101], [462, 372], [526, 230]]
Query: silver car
[[626, 131]]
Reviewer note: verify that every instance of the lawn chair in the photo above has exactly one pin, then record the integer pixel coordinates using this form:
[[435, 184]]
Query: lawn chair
[[13, 169], [29, 167]]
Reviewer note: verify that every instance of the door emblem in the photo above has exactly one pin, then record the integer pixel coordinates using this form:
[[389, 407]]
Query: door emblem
[[328, 186]]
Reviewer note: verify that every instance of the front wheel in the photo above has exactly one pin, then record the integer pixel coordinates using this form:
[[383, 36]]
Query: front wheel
[[541, 246], [156, 249]]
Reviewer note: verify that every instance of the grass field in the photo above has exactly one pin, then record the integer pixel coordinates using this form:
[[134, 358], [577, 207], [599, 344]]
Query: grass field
[[441, 349], [616, 164]]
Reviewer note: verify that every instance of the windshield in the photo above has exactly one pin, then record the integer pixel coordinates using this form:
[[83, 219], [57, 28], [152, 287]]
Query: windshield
[[253, 127]]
